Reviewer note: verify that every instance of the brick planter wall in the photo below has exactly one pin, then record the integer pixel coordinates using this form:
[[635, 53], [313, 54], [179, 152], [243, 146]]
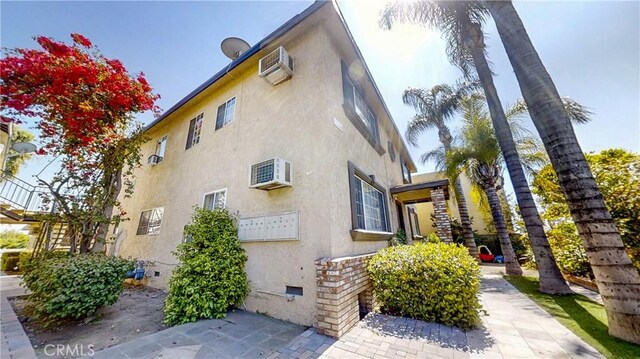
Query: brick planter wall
[[340, 282]]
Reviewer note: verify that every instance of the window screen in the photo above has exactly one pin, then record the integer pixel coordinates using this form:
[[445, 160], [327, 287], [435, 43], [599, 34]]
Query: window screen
[[195, 127], [217, 199], [226, 113], [150, 221]]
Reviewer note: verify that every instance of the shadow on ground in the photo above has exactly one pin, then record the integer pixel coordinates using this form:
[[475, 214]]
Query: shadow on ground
[[476, 340]]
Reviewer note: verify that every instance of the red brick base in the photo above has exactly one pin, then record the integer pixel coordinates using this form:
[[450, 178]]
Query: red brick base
[[342, 283]]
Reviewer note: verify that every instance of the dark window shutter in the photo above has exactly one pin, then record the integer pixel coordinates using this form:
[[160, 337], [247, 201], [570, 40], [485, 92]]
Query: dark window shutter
[[220, 116], [192, 126], [347, 87]]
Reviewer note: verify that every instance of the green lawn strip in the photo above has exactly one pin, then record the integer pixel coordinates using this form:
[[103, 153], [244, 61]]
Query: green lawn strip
[[584, 317]]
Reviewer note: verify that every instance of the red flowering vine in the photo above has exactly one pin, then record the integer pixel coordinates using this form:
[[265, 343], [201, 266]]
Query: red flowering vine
[[83, 105], [78, 96]]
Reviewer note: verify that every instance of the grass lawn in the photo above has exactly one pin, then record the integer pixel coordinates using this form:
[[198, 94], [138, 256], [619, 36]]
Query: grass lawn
[[586, 318]]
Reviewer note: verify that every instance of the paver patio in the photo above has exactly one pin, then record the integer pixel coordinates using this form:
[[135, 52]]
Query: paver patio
[[515, 327]]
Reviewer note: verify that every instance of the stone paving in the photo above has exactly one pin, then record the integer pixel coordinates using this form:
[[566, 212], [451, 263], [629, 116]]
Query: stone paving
[[239, 335], [14, 342], [514, 327]]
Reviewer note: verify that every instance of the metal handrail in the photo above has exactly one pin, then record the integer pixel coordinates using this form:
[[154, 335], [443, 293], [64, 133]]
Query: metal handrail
[[23, 195]]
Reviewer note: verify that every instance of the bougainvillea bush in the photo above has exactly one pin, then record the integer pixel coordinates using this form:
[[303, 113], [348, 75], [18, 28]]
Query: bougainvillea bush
[[82, 106], [436, 282]]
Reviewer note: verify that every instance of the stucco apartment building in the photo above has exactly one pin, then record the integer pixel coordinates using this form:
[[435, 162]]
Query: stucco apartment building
[[306, 155]]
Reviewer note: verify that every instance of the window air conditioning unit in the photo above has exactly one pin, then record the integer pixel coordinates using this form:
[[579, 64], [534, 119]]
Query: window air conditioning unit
[[276, 67], [154, 160], [270, 174]]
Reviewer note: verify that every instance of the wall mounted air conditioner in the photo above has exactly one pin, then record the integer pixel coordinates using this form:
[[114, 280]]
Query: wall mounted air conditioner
[[276, 67], [271, 174], [154, 160]]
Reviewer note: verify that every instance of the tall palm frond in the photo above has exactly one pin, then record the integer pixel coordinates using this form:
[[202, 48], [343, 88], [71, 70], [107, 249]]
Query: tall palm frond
[[434, 107], [578, 113], [438, 156], [450, 17]]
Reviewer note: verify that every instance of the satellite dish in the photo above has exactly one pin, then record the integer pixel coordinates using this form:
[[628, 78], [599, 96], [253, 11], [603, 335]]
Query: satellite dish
[[233, 47], [24, 147]]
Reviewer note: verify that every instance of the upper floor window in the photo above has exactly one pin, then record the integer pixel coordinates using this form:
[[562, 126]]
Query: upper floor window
[[358, 112], [392, 152], [161, 147], [406, 175], [226, 112], [215, 199], [195, 127], [150, 221]]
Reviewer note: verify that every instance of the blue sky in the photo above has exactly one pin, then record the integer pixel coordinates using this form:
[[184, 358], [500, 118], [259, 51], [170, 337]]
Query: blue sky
[[591, 49]]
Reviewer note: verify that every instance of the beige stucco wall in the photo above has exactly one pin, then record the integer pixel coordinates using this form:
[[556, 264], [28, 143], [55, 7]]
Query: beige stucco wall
[[295, 120], [424, 210]]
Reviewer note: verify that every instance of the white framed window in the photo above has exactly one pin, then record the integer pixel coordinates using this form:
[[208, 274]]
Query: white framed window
[[150, 221], [226, 113], [370, 206], [195, 128], [406, 174], [215, 199], [161, 147]]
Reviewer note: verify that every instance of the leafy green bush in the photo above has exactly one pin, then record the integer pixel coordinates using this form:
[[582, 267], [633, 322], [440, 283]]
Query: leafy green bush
[[211, 276], [74, 286], [10, 261], [436, 282], [13, 239], [568, 251], [399, 238], [24, 259], [433, 238]]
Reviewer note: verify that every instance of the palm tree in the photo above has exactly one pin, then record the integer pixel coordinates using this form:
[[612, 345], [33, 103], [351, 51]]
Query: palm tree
[[461, 25], [434, 107], [617, 279], [478, 155]]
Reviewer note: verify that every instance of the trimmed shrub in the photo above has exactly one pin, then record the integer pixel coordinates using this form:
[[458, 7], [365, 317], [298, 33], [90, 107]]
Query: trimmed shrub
[[10, 261], [74, 286], [433, 238], [13, 239], [211, 276], [435, 282]]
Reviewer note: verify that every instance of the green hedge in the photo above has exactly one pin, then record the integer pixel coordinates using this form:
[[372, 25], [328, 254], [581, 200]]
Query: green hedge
[[435, 282], [10, 261], [211, 276], [74, 286], [13, 239]]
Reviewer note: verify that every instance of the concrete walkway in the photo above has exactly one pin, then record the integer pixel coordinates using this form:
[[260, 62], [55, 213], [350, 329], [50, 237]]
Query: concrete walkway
[[14, 342], [514, 327]]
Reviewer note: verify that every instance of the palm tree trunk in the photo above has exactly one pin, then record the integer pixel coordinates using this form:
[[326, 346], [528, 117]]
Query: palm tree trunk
[[465, 221], [551, 280], [511, 262], [618, 281], [463, 210]]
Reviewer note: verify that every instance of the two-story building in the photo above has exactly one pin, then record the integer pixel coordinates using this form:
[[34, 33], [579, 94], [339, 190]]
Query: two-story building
[[294, 138]]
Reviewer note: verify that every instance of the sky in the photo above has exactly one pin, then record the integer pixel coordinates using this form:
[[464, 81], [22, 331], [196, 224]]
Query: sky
[[590, 48]]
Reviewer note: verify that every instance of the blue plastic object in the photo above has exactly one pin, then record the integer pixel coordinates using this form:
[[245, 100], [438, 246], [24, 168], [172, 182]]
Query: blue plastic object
[[499, 259]]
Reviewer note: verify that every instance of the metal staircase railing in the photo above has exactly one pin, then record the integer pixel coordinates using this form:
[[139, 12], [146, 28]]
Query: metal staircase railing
[[23, 196]]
